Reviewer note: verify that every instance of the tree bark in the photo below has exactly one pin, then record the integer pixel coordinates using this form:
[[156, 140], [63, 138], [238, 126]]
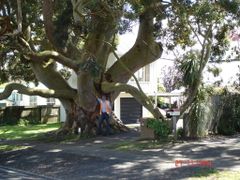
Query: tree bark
[[140, 97], [85, 123], [144, 51]]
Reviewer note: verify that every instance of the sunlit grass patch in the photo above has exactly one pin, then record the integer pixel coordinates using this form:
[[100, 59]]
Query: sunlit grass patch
[[211, 173], [17, 132], [5, 147]]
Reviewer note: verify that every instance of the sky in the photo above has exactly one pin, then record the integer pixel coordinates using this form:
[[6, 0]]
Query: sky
[[227, 70]]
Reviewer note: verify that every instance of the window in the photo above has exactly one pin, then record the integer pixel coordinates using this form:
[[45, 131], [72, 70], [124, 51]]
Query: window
[[50, 101], [19, 97], [16, 98], [33, 100], [143, 74]]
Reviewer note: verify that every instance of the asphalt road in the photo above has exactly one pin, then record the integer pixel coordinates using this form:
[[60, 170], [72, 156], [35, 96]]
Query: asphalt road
[[91, 160]]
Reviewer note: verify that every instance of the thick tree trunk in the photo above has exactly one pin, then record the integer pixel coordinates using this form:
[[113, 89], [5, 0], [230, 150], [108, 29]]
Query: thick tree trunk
[[78, 121], [85, 123]]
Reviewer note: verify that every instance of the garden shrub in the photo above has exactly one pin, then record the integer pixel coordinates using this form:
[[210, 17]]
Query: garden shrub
[[229, 122], [161, 129], [180, 133]]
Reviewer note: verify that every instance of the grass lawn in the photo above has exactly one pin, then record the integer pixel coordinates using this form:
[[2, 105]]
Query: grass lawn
[[216, 174], [4, 147], [17, 132]]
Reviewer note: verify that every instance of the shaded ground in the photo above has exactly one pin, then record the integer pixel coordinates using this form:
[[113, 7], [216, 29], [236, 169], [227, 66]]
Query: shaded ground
[[15, 174], [89, 159]]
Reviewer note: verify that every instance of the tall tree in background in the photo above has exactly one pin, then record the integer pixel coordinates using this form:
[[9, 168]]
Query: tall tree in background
[[201, 32], [80, 35], [171, 78]]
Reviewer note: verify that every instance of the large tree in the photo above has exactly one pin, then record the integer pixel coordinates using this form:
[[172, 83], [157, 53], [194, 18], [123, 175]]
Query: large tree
[[80, 35]]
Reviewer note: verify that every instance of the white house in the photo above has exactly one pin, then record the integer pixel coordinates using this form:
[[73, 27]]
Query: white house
[[16, 99], [126, 107]]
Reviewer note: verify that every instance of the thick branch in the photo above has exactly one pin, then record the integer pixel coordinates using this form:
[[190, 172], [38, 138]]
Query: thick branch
[[42, 56], [194, 90], [52, 79], [95, 45], [144, 51], [19, 15], [68, 94], [140, 97], [47, 19], [126, 68], [195, 33], [190, 99]]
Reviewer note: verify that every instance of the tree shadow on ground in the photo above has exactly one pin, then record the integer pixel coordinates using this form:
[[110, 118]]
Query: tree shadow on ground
[[89, 161]]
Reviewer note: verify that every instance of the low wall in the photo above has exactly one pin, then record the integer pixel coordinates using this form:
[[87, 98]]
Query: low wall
[[34, 115]]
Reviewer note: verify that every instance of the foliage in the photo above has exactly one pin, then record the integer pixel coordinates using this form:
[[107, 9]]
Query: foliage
[[230, 120], [26, 132], [91, 66], [161, 129], [215, 109], [24, 122], [161, 88], [160, 102], [214, 70], [14, 66], [190, 67], [211, 173], [177, 14], [236, 83], [180, 133], [172, 78], [80, 35], [66, 73], [163, 105]]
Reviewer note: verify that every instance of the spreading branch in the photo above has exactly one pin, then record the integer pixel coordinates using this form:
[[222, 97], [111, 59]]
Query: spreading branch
[[47, 93], [205, 55], [144, 51], [19, 15], [195, 33], [47, 19], [140, 97], [125, 67], [44, 55]]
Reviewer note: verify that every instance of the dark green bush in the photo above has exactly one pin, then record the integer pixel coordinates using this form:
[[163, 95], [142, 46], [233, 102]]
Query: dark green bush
[[229, 122], [180, 133], [161, 129]]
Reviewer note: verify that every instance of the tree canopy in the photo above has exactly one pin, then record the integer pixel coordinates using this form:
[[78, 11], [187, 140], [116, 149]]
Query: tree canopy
[[80, 35]]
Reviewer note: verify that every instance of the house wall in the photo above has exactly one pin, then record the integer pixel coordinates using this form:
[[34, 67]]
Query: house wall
[[63, 115], [5, 102], [16, 99], [117, 107], [148, 87]]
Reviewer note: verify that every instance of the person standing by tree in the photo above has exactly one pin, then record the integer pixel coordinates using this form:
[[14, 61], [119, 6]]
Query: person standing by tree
[[105, 111]]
